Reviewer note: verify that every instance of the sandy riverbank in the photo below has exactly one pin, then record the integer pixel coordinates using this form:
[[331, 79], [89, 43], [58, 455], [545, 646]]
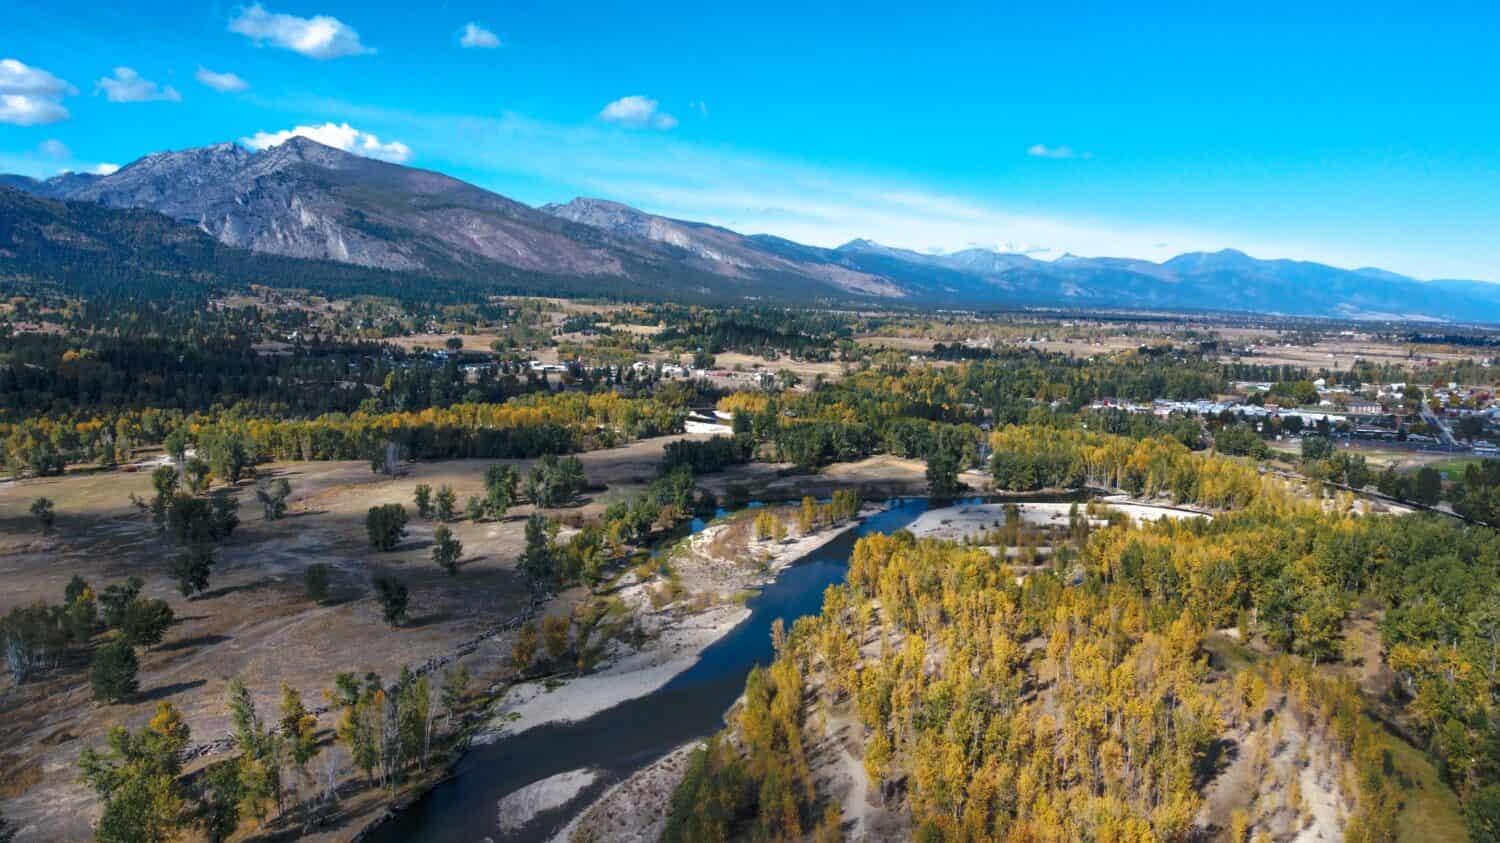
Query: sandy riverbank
[[953, 523], [516, 809], [675, 635], [635, 810]]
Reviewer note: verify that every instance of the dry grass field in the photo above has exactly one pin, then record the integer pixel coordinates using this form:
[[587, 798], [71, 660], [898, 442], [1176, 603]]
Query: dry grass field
[[255, 621]]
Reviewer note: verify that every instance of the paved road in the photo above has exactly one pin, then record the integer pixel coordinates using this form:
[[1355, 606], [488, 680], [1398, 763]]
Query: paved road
[[1437, 424]]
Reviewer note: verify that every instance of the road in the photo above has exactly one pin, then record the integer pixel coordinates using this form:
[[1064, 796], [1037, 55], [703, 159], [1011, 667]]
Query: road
[[1437, 424]]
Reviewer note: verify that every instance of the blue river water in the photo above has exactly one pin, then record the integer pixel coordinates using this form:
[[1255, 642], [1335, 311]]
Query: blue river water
[[623, 739]]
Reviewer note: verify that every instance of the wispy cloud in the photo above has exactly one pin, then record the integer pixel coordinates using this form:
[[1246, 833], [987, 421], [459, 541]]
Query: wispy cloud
[[224, 83], [48, 159], [30, 96], [128, 86], [319, 37], [637, 112], [54, 149], [337, 135], [477, 37], [1041, 150]]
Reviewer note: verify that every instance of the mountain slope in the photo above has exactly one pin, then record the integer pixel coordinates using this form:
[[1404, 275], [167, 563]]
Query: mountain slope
[[302, 199], [308, 201], [133, 252], [305, 200], [1228, 280], [719, 250]]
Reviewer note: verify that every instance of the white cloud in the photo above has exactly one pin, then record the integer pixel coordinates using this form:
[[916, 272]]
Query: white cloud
[[128, 86], [320, 36], [19, 78], [637, 112], [1041, 150], [30, 96], [224, 83], [477, 36], [104, 169], [26, 110], [55, 149], [337, 135]]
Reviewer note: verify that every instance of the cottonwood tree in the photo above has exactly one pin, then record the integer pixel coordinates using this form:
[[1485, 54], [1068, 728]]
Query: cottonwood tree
[[455, 688], [176, 445], [146, 621], [446, 549], [523, 649], [136, 777], [195, 475], [444, 503], [117, 598], [555, 629], [422, 498], [219, 801], [499, 489], [36, 637], [392, 595], [537, 559], [191, 568], [386, 458], [261, 752], [272, 495], [299, 728]]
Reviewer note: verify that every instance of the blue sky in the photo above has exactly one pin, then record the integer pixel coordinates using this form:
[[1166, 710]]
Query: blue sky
[[1352, 133]]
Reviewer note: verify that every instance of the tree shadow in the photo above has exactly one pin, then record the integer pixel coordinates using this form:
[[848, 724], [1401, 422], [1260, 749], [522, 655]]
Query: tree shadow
[[196, 641], [235, 589], [410, 543], [1221, 753], [428, 619], [168, 690]]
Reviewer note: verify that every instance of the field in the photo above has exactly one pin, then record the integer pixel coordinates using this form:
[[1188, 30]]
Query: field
[[255, 621], [1334, 352]]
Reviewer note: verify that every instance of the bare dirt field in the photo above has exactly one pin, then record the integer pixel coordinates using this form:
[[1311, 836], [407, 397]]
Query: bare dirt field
[[1341, 354], [1084, 346], [876, 477], [807, 370], [435, 342], [920, 344]]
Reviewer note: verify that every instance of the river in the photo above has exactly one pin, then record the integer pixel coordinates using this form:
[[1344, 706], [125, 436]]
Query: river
[[619, 741]]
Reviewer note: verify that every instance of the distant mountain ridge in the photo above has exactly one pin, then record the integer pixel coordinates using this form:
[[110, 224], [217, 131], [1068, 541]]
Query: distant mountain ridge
[[307, 201]]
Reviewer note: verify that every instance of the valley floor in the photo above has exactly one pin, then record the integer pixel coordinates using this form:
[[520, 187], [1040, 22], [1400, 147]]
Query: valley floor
[[255, 623]]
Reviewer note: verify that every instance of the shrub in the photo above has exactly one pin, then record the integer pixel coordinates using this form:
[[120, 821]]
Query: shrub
[[315, 582], [112, 674], [146, 621], [45, 515], [386, 526]]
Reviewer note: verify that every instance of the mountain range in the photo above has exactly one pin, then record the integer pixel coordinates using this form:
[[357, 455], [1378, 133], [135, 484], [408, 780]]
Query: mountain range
[[303, 201]]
